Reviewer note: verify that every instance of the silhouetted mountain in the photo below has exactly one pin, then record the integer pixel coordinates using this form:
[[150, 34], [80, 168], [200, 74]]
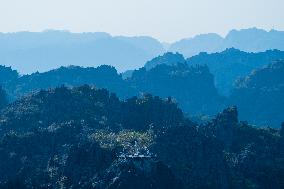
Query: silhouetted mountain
[[102, 77], [229, 65], [169, 59], [30, 51], [201, 43], [127, 74], [259, 96], [87, 138], [7, 75], [255, 40], [249, 40], [192, 86]]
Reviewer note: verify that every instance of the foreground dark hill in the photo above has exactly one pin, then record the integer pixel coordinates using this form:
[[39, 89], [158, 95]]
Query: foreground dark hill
[[259, 96], [249, 40], [98, 141], [96, 107], [229, 65]]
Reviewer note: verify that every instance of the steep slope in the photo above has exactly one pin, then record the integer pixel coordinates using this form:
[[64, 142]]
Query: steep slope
[[259, 96]]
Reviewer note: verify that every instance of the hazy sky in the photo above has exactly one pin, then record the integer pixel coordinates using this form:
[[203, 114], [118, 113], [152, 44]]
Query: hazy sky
[[166, 20]]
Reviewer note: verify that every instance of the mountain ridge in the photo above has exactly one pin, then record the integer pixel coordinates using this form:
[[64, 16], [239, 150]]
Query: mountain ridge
[[41, 51]]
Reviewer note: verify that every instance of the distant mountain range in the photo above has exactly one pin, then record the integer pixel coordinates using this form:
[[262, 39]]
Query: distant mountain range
[[249, 40], [229, 65], [29, 52], [226, 66]]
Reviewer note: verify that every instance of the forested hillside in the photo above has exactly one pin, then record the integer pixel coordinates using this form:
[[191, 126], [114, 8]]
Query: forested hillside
[[192, 84], [259, 96], [231, 64], [91, 139], [102, 77]]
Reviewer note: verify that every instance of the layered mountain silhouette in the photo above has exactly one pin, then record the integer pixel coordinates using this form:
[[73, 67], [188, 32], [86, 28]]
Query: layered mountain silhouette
[[196, 88], [191, 86], [29, 52], [231, 64], [102, 77], [249, 40], [184, 119]]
